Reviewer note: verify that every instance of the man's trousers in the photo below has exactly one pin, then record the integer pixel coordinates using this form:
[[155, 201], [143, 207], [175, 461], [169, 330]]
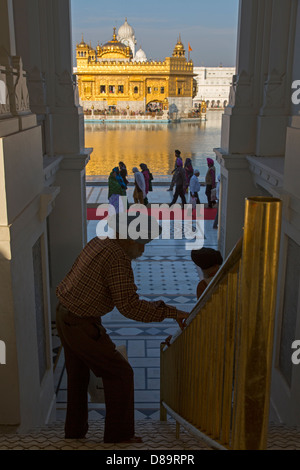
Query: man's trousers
[[87, 347], [179, 191]]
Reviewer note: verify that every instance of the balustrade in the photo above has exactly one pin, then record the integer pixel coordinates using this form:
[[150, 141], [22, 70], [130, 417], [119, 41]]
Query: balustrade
[[215, 374]]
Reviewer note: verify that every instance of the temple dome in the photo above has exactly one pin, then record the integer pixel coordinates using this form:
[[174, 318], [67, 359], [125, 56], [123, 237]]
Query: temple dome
[[179, 49], [140, 56], [82, 44], [125, 31], [114, 43], [114, 49]]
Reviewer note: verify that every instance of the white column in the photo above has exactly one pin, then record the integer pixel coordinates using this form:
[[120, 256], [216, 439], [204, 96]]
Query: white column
[[28, 33], [53, 95], [27, 391], [239, 121], [273, 116], [67, 224], [7, 30], [286, 375]]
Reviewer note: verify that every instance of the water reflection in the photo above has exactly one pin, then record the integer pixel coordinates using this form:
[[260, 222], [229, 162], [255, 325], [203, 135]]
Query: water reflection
[[153, 144]]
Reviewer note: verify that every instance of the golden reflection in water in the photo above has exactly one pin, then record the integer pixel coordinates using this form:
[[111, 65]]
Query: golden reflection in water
[[153, 144]]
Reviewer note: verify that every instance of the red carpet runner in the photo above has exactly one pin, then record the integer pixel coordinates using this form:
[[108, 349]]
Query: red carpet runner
[[209, 214]]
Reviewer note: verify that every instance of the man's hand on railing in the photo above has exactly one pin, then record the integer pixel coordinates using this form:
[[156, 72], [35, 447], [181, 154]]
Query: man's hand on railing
[[181, 317], [167, 341]]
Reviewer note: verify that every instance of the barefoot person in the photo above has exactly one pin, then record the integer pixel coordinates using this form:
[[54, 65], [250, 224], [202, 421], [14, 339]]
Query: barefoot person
[[177, 157], [179, 181], [210, 181], [139, 193]]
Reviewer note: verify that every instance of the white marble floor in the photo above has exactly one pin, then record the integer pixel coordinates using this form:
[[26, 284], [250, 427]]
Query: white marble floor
[[97, 194]]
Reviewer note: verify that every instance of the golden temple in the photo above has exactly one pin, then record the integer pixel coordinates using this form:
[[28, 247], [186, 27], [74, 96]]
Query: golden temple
[[116, 77]]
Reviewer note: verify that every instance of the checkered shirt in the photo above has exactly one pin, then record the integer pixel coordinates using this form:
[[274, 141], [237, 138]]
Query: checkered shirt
[[101, 279]]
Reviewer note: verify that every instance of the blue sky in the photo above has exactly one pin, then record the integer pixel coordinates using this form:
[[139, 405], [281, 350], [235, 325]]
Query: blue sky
[[210, 26]]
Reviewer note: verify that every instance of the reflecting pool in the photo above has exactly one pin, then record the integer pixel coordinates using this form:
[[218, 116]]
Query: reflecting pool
[[153, 144]]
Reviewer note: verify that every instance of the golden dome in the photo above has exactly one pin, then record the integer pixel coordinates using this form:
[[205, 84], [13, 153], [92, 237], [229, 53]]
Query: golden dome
[[114, 43], [179, 49], [114, 48], [82, 44]]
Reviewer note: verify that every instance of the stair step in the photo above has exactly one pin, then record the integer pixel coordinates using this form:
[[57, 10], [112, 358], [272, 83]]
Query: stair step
[[156, 435]]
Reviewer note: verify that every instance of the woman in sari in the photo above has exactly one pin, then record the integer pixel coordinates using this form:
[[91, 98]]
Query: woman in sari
[[116, 188], [146, 173], [139, 193], [123, 172], [189, 171]]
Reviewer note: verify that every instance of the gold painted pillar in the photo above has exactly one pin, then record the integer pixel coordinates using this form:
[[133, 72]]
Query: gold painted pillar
[[257, 310]]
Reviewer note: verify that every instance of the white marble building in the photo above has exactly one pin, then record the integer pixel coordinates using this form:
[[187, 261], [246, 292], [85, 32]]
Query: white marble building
[[213, 86]]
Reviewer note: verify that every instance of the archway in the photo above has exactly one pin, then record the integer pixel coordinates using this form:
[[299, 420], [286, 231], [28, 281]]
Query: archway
[[154, 106]]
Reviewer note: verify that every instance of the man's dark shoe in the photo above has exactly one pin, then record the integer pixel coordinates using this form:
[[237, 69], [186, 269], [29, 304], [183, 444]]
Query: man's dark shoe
[[131, 440]]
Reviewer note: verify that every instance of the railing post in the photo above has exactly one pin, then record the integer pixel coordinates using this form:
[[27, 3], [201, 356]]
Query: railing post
[[257, 311], [163, 411]]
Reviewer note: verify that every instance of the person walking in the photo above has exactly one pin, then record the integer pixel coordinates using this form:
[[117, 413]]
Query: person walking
[[216, 221], [179, 181], [145, 167], [195, 188], [146, 173], [139, 193], [116, 189], [177, 157], [119, 178], [150, 180], [210, 181], [189, 171], [101, 279], [123, 172]]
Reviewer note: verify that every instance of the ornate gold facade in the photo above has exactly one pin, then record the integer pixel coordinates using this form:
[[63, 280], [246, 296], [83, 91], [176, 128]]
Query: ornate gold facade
[[111, 76]]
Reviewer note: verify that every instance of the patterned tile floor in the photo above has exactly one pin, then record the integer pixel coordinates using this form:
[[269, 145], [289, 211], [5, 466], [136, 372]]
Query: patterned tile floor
[[156, 435]]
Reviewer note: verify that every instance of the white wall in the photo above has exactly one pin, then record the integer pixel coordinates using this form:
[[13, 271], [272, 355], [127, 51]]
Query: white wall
[[286, 375], [42, 162], [213, 85]]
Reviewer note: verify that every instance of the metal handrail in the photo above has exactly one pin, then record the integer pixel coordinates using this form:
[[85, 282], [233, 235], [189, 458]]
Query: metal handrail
[[216, 373]]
